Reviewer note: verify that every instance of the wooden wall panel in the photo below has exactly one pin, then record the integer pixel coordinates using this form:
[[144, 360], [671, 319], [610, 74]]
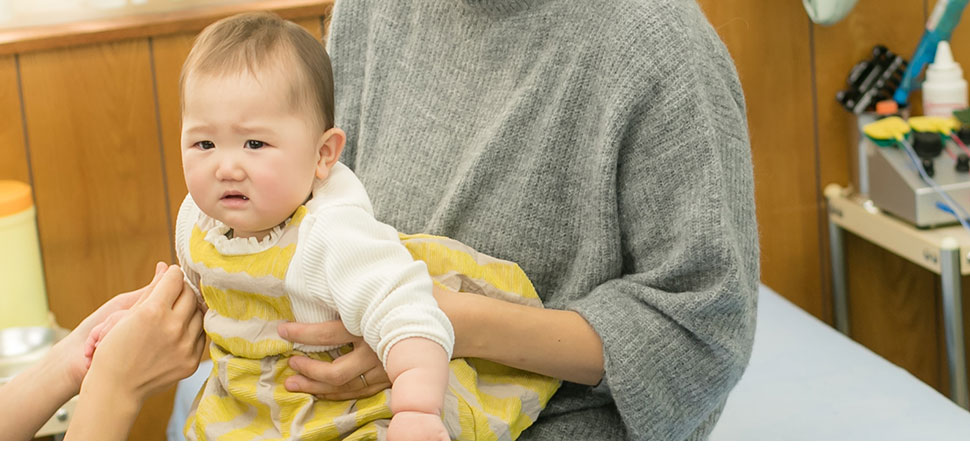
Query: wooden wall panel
[[100, 194], [893, 309], [776, 73], [169, 52], [94, 148], [312, 24], [152, 421], [13, 154]]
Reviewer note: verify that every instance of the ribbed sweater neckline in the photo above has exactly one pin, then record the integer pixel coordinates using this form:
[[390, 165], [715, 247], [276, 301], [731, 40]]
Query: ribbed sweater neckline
[[501, 7]]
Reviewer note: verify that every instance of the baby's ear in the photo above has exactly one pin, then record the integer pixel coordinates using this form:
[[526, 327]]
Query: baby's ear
[[329, 147]]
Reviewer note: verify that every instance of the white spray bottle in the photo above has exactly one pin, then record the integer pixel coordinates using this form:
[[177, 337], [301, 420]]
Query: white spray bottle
[[944, 89]]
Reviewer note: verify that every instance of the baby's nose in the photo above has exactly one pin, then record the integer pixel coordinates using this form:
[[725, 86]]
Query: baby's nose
[[229, 169]]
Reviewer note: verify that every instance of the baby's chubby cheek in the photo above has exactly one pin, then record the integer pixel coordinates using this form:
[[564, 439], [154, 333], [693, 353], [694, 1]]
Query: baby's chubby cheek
[[286, 188]]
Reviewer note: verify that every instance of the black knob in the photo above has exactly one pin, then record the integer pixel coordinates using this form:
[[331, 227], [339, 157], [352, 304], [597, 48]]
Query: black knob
[[964, 134], [928, 166], [963, 163], [927, 145]]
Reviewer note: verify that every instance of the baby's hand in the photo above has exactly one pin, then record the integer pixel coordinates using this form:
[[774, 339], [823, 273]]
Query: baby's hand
[[416, 426], [100, 331]]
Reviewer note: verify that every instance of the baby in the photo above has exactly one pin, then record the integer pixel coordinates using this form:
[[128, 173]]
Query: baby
[[275, 229]]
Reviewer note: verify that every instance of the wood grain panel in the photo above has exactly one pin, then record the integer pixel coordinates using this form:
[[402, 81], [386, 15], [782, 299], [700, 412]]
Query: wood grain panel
[[13, 154], [94, 148], [152, 421], [776, 76], [893, 309], [169, 53], [311, 24]]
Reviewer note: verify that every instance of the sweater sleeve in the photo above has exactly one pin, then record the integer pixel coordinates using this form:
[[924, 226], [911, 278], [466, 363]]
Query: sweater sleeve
[[360, 268], [677, 326]]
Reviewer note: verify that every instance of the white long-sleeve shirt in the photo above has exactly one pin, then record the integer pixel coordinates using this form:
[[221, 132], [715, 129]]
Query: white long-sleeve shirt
[[345, 265]]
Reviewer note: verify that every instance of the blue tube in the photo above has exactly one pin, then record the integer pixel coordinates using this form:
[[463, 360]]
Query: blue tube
[[942, 21]]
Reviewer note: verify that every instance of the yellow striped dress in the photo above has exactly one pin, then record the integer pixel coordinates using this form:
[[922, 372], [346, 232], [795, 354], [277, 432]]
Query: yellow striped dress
[[249, 293]]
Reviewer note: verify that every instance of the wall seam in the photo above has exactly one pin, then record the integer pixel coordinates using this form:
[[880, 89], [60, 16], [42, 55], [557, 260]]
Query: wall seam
[[161, 150], [822, 222], [23, 126], [30, 173]]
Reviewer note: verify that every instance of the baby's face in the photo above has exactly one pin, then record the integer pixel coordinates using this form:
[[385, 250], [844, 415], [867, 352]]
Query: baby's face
[[248, 155]]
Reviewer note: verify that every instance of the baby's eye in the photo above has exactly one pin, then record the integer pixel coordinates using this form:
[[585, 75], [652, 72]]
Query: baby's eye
[[205, 145], [254, 144]]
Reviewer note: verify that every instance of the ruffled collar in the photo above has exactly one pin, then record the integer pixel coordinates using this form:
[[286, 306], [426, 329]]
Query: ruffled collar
[[217, 231]]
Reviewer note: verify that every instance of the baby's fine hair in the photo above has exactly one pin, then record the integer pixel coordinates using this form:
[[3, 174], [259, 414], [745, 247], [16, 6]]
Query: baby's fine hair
[[258, 42]]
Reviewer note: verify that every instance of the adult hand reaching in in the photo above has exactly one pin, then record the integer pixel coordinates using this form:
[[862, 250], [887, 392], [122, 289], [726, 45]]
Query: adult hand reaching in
[[73, 347], [33, 396], [158, 343]]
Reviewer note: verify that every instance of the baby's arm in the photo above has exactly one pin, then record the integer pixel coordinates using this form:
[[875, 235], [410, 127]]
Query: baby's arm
[[360, 268], [418, 369], [100, 331]]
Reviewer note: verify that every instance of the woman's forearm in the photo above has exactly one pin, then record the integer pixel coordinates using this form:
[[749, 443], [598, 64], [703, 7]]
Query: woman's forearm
[[31, 398], [551, 342], [104, 411]]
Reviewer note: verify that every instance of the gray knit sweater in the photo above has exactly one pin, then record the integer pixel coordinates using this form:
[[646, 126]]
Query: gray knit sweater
[[600, 144]]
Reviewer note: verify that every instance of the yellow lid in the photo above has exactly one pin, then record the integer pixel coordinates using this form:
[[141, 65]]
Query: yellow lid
[[14, 197], [931, 124], [888, 129]]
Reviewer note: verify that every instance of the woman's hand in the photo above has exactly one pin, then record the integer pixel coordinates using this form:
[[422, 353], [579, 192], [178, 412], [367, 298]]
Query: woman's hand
[[341, 379], [31, 398], [158, 343], [71, 349], [355, 374]]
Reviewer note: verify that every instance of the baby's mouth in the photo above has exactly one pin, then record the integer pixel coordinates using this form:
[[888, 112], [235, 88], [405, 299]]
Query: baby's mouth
[[233, 195]]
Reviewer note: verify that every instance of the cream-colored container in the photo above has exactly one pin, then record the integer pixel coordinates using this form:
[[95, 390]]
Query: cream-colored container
[[23, 298]]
